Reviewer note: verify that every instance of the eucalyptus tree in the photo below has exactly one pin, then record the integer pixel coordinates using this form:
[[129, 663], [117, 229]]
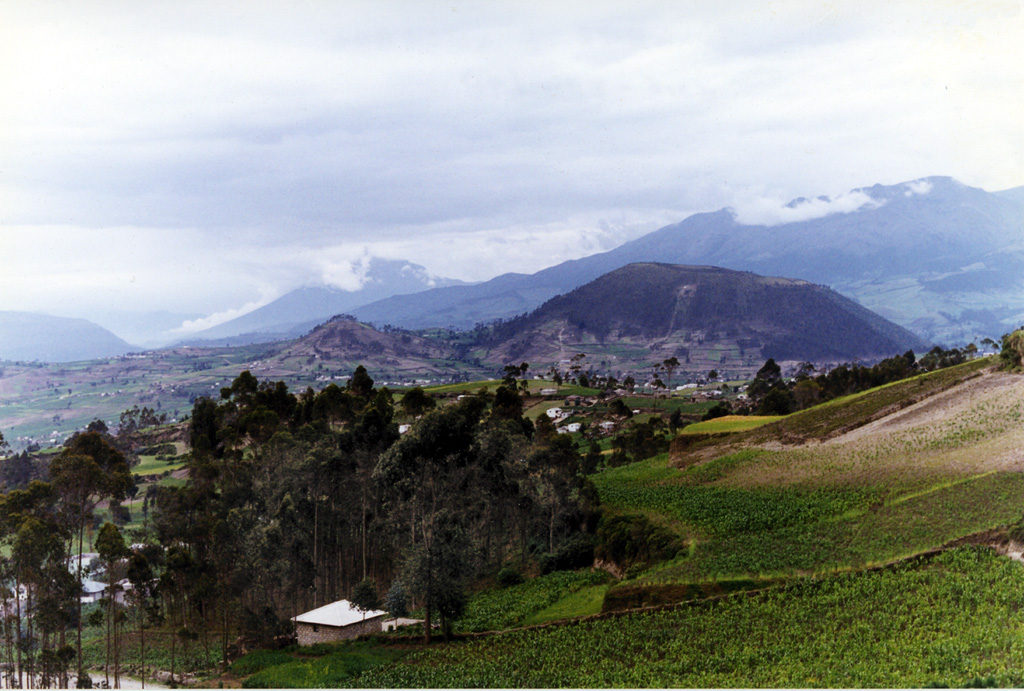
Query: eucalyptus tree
[[427, 476], [140, 575], [36, 542], [112, 552], [89, 469]]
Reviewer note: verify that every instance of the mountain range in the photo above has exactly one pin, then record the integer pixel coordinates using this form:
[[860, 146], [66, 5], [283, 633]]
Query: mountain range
[[300, 310], [934, 255]]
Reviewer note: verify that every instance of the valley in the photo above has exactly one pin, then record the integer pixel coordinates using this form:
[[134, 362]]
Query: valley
[[907, 491]]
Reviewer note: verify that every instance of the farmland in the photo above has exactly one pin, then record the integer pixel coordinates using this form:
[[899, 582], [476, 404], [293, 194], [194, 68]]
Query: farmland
[[951, 620], [924, 475]]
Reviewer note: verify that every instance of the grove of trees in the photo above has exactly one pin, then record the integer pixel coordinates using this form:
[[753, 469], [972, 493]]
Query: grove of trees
[[291, 502]]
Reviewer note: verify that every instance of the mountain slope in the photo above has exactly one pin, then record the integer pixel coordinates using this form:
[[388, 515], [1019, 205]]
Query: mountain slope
[[933, 255], [685, 310], [300, 310], [29, 336]]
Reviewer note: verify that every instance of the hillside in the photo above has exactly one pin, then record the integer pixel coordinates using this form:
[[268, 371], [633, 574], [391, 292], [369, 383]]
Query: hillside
[[39, 337], [849, 484], [935, 256], [47, 402], [693, 312]]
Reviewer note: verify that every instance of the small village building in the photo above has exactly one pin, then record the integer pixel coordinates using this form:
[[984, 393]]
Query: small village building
[[554, 413], [92, 591], [392, 624], [337, 621]]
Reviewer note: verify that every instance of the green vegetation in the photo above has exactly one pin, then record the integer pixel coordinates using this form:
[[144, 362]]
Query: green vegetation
[[327, 666], [730, 423], [950, 621], [531, 601]]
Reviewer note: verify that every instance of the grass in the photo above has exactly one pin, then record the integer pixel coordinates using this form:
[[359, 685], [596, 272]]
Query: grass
[[849, 412], [154, 465], [730, 423], [584, 602]]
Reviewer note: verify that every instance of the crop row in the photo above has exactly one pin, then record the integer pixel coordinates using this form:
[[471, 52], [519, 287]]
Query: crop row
[[953, 620]]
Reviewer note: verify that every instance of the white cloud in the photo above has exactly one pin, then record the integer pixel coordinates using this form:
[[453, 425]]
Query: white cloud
[[918, 187], [191, 326], [770, 212]]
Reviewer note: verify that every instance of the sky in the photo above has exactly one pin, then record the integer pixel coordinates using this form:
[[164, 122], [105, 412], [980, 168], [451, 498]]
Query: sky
[[204, 158]]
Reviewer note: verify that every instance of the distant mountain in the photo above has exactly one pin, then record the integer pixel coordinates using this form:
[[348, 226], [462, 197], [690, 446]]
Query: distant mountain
[[936, 256], [29, 336], [295, 313], [718, 316]]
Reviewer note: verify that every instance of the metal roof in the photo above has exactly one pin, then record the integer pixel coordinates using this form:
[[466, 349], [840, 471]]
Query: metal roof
[[340, 613]]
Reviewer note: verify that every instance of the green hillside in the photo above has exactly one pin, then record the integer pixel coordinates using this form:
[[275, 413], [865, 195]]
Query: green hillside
[[935, 469]]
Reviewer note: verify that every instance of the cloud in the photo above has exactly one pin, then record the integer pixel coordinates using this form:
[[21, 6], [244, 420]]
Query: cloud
[[204, 156], [918, 187], [191, 326], [769, 212]]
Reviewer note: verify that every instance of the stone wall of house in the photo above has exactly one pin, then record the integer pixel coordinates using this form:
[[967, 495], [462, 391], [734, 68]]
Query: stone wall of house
[[306, 635]]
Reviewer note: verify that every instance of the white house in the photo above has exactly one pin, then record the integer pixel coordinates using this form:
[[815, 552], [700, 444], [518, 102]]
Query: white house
[[554, 413], [92, 591], [392, 624], [337, 621]]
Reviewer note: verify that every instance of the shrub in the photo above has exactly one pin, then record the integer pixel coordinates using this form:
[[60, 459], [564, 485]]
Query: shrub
[[574, 553], [1012, 354], [632, 539], [509, 576]]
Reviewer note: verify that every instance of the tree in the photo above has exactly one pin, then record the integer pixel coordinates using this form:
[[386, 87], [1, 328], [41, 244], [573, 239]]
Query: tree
[[416, 401], [1012, 353], [439, 570], [360, 384], [671, 365], [112, 550], [426, 475], [140, 575], [364, 596], [88, 469], [396, 601]]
